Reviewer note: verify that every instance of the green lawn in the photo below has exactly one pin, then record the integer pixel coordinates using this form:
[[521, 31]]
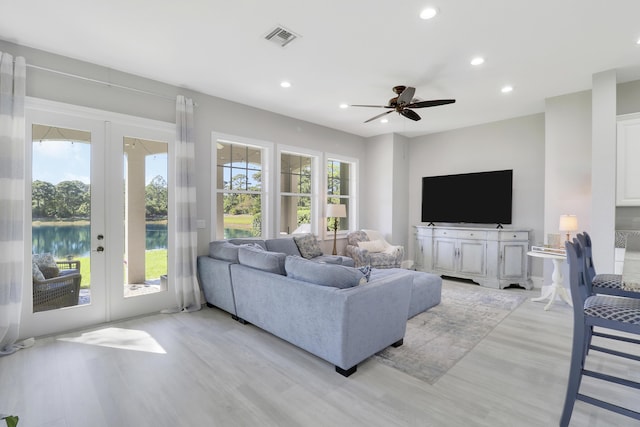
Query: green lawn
[[155, 266], [243, 222]]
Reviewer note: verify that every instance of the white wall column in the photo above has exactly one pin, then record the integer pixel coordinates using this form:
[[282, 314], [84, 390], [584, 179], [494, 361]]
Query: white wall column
[[603, 175]]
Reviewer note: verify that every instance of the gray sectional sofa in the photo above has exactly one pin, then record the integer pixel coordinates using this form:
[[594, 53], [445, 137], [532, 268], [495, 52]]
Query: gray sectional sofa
[[320, 305]]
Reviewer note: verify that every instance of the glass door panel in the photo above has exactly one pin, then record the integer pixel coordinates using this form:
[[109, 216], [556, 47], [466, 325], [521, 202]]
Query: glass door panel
[[139, 195], [60, 217], [146, 216], [66, 223]]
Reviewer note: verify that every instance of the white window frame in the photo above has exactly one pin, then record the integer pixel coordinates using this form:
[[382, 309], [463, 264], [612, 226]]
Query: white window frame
[[353, 191], [316, 209], [267, 149]]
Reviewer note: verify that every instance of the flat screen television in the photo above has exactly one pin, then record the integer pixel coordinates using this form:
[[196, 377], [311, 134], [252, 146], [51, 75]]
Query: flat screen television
[[479, 198]]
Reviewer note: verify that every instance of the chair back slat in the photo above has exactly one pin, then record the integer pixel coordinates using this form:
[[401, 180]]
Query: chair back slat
[[579, 290], [589, 269]]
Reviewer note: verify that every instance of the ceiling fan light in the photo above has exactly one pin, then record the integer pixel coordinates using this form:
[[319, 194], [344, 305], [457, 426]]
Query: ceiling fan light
[[428, 13], [384, 120]]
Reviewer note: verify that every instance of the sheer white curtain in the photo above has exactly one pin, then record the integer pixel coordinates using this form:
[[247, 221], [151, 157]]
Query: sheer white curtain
[[12, 199], [186, 283]]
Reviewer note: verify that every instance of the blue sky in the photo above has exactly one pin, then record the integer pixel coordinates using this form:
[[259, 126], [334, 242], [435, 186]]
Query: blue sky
[[56, 161]]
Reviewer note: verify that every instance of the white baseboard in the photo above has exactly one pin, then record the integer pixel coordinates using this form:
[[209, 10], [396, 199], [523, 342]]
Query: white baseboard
[[538, 282]]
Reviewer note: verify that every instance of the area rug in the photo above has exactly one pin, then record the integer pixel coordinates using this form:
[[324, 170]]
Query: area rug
[[438, 338]]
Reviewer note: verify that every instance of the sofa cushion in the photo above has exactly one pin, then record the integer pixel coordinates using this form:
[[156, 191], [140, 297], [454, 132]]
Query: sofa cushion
[[47, 265], [337, 276], [308, 246], [224, 251], [272, 262], [285, 245], [329, 259]]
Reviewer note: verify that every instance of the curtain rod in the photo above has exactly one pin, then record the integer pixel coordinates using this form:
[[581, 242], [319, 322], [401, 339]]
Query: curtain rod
[[88, 79]]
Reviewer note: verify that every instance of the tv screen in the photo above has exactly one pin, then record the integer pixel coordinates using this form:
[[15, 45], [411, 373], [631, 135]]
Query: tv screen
[[480, 197]]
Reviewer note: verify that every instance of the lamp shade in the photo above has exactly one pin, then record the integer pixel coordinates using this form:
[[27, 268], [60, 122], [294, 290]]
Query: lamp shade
[[568, 223], [336, 211]]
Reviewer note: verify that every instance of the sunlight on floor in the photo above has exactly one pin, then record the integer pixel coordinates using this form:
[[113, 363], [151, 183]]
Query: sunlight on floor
[[124, 339]]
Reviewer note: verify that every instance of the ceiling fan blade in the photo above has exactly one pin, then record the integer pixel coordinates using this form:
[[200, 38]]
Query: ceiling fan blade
[[406, 96], [378, 116], [409, 114], [432, 103], [374, 106]]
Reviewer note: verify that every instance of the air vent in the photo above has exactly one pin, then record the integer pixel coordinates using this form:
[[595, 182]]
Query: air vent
[[281, 36]]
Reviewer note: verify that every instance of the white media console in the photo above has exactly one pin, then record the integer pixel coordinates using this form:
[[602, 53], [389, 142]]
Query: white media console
[[491, 257]]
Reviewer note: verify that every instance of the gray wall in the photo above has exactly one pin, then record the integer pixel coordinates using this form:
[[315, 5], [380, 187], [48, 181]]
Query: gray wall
[[516, 144], [211, 114]]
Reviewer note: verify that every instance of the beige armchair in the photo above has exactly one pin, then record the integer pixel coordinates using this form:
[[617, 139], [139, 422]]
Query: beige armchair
[[368, 247]]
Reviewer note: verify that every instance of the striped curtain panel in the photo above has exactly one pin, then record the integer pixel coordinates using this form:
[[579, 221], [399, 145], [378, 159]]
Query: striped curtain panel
[[186, 283], [12, 199]]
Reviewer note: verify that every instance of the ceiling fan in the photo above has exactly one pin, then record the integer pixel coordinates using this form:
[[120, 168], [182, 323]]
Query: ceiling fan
[[404, 102]]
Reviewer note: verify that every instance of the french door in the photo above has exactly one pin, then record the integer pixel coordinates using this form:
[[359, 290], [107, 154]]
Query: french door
[[100, 217]]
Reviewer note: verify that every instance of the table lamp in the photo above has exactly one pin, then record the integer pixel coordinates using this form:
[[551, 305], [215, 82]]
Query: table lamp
[[568, 223], [337, 212]]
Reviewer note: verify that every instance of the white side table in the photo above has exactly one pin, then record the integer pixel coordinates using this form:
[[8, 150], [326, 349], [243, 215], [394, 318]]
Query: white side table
[[556, 288]]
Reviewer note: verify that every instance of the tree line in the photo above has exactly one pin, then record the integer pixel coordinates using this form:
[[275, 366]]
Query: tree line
[[72, 199]]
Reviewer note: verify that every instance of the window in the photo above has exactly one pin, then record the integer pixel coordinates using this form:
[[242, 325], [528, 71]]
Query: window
[[341, 190], [296, 193], [240, 194]]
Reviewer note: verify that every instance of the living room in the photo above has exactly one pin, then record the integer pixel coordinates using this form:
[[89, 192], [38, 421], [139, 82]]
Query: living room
[[563, 158]]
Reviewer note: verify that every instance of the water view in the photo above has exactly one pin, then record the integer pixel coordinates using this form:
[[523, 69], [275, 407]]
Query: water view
[[75, 240]]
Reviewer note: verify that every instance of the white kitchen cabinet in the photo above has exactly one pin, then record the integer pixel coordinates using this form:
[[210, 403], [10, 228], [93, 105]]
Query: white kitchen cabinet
[[628, 158]]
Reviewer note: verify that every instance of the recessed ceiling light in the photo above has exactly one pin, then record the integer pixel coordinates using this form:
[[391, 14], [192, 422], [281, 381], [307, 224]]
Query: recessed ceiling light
[[285, 84], [638, 41], [384, 120], [344, 106], [506, 89], [428, 13], [478, 60]]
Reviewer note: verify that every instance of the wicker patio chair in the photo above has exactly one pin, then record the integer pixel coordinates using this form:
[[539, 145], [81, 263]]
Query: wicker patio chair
[[60, 291]]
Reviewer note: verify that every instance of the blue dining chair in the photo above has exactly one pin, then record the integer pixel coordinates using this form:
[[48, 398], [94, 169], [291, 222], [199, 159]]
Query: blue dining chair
[[607, 284], [603, 311]]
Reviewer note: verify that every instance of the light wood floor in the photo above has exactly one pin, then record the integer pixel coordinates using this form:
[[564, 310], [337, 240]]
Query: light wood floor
[[204, 369]]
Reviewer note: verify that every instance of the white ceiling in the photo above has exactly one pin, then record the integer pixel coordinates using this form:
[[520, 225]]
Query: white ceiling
[[350, 51]]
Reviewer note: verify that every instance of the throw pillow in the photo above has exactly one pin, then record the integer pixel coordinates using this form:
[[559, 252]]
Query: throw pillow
[[332, 275], [308, 246], [372, 246], [366, 270], [47, 265], [36, 273]]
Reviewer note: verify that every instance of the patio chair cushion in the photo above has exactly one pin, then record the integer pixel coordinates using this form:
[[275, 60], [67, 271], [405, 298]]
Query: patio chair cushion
[[36, 273], [47, 265]]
